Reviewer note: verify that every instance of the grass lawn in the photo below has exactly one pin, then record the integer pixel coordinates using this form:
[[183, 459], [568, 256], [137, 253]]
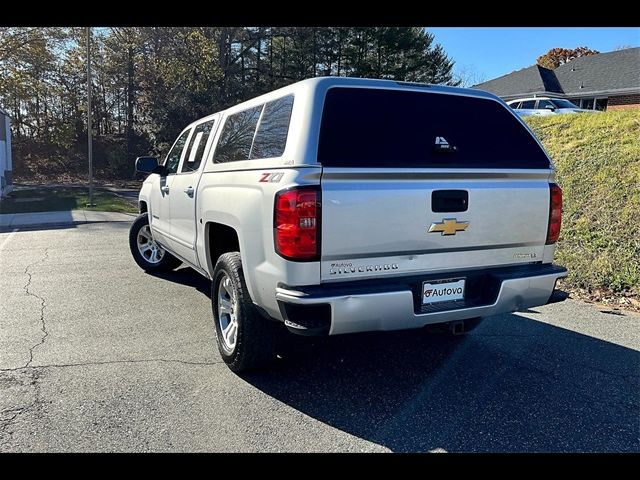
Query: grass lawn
[[54, 199], [597, 157]]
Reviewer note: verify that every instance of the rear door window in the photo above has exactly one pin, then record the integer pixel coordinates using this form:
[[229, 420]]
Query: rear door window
[[193, 157], [259, 132], [528, 104], [394, 128]]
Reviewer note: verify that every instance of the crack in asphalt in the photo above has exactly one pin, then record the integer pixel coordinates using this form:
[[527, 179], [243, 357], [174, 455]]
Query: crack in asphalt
[[107, 362], [17, 411], [13, 413], [43, 305], [6, 423]]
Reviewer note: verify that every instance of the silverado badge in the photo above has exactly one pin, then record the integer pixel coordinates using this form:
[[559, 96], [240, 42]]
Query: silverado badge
[[448, 226]]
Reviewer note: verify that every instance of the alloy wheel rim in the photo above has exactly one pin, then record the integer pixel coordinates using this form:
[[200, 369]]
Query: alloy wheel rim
[[228, 312], [147, 246]]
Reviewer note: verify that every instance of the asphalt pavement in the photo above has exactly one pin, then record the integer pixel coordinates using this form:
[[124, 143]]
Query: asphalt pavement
[[96, 355], [61, 218]]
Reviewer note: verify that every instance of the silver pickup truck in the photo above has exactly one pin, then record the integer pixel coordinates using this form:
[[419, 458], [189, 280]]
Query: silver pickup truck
[[341, 205]]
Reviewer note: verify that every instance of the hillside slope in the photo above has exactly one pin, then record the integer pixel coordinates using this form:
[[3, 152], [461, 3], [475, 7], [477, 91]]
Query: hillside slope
[[597, 157]]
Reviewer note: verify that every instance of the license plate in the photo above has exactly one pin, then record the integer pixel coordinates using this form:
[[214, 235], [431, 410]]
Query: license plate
[[442, 291]]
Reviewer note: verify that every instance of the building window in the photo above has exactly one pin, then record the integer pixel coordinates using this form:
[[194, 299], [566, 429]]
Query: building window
[[591, 103], [601, 104]]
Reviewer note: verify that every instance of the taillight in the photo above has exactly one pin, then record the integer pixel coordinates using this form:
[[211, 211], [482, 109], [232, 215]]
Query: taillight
[[297, 223], [555, 214]]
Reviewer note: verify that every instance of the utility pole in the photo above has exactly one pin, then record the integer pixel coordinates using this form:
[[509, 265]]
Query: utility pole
[[89, 139]]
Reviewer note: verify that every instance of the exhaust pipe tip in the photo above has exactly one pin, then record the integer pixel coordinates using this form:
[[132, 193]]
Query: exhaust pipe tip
[[456, 328]]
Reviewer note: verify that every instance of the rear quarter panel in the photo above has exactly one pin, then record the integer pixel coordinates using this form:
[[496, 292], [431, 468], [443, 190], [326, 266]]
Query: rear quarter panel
[[237, 198]]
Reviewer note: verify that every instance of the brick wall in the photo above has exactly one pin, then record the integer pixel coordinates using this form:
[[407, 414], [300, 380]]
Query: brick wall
[[623, 101]]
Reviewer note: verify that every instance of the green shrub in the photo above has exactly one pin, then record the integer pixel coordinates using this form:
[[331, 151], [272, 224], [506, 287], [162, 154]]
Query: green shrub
[[597, 157]]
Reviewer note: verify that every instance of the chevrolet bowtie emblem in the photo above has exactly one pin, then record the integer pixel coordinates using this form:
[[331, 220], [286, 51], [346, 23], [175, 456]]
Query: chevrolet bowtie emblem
[[448, 226]]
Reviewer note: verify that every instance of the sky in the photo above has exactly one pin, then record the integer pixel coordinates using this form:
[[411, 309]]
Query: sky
[[484, 53]]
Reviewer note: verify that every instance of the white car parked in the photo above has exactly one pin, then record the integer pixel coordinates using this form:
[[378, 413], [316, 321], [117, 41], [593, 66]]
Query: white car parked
[[544, 106]]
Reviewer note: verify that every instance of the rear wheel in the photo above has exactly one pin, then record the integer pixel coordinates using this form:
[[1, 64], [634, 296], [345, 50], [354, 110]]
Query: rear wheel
[[149, 256], [246, 340]]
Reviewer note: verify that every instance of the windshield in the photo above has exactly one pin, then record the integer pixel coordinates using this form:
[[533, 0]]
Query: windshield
[[560, 103]]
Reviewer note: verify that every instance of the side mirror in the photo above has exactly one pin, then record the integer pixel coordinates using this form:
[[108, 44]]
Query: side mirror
[[550, 107], [147, 165]]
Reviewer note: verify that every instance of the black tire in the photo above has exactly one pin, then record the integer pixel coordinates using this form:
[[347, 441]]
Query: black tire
[[167, 263], [256, 337]]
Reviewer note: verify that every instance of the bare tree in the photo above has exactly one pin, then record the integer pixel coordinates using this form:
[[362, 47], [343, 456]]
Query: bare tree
[[468, 76]]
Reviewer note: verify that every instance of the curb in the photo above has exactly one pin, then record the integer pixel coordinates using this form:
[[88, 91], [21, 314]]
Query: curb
[[56, 225]]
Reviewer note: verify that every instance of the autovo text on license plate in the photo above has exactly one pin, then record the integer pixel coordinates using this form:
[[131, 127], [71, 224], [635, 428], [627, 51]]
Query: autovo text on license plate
[[442, 291]]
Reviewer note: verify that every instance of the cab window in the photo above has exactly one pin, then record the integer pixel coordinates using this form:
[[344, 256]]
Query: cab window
[[173, 158]]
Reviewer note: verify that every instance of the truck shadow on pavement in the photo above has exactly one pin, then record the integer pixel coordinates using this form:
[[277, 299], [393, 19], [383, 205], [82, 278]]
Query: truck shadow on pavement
[[512, 385], [188, 277]]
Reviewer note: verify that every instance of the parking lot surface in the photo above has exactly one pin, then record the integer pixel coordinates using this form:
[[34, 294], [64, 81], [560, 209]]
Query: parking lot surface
[[96, 355]]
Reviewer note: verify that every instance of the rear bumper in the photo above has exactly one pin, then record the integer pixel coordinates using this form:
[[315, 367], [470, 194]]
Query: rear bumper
[[393, 304]]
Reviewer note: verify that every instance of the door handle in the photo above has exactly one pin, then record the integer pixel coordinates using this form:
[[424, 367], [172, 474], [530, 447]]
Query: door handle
[[189, 191], [449, 201], [164, 189]]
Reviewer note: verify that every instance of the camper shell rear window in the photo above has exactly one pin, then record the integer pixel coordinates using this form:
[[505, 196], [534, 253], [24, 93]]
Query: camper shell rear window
[[373, 128]]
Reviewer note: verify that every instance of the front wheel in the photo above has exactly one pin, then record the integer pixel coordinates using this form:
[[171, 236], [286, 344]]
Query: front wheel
[[246, 340], [149, 256]]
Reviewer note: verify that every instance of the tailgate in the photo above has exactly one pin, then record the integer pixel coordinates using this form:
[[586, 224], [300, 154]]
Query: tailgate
[[377, 223], [427, 181]]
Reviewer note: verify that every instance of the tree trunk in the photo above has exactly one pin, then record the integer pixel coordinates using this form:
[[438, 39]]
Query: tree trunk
[[314, 51], [105, 112], [223, 63], [258, 55], [271, 58], [242, 76], [130, 100]]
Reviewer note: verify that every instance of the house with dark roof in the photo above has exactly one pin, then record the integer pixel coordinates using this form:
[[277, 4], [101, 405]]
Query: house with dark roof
[[604, 81]]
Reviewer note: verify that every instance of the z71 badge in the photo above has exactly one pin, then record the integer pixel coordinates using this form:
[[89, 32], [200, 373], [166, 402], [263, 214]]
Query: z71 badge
[[271, 177]]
